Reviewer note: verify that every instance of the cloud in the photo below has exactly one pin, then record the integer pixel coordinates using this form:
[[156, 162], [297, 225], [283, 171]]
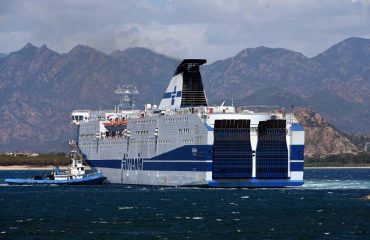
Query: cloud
[[212, 29]]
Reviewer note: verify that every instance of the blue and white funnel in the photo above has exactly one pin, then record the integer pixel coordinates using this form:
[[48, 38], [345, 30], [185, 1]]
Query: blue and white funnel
[[186, 87]]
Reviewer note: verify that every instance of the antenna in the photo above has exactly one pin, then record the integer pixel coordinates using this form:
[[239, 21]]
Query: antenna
[[232, 100]]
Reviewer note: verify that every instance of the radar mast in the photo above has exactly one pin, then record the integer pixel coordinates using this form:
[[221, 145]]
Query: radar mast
[[128, 93]]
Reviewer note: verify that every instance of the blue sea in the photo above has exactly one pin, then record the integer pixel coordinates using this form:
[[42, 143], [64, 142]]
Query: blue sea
[[331, 205]]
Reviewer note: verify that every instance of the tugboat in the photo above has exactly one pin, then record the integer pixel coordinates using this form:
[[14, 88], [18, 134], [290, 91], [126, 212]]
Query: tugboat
[[74, 175]]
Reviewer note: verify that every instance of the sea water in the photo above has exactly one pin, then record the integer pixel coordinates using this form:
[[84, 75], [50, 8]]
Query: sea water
[[331, 205]]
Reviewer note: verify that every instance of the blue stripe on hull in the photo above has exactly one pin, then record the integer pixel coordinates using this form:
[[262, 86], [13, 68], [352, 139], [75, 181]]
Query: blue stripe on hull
[[296, 166], [297, 152], [185, 153], [156, 166], [254, 183], [104, 163], [178, 166], [297, 127]]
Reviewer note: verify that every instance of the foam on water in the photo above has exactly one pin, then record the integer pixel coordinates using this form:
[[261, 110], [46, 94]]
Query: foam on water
[[336, 184], [125, 208]]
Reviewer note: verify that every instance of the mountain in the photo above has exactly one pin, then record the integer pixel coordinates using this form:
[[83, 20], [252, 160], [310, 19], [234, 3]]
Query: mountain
[[322, 138], [150, 71], [258, 68], [335, 83], [346, 64], [40, 87]]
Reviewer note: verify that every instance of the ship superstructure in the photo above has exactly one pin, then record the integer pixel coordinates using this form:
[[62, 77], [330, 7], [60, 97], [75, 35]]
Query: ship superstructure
[[186, 142]]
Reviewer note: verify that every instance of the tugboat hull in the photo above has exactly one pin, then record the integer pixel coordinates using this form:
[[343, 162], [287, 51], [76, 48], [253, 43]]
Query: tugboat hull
[[94, 179]]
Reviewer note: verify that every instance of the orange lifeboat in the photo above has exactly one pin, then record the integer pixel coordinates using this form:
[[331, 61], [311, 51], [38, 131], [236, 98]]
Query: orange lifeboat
[[116, 123]]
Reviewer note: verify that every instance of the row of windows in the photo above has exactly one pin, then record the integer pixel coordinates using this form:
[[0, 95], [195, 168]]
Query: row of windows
[[142, 132], [175, 120], [110, 143], [149, 142], [85, 144], [142, 142], [103, 144], [164, 141], [187, 141], [87, 135], [141, 122], [198, 140], [183, 130]]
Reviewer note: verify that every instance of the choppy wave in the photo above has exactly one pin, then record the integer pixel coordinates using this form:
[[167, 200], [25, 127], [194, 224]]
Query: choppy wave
[[314, 179], [336, 184]]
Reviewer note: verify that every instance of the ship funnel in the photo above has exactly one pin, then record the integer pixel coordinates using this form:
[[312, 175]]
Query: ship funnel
[[186, 87]]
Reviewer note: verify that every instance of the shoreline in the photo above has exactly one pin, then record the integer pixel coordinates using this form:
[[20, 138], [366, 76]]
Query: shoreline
[[28, 167], [50, 167]]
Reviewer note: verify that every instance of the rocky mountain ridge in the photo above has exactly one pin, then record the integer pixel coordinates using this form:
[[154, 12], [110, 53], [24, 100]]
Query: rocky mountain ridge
[[40, 87], [335, 83], [322, 138]]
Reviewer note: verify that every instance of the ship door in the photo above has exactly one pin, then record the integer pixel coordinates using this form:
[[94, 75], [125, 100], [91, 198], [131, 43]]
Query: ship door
[[272, 150], [232, 150]]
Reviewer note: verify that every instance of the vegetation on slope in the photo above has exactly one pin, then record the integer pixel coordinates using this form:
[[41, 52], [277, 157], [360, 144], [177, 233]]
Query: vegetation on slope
[[42, 160], [341, 160]]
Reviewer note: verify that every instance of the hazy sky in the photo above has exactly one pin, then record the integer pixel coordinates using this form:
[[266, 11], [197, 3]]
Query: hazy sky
[[201, 28]]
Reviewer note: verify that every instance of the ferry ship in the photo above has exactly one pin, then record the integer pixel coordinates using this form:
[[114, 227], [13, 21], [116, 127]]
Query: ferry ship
[[187, 142]]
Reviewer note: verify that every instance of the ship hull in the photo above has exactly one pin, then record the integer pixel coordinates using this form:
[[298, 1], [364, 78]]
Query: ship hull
[[170, 163], [188, 178]]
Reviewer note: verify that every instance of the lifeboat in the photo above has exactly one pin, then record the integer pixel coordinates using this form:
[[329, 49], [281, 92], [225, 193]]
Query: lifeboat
[[116, 125]]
